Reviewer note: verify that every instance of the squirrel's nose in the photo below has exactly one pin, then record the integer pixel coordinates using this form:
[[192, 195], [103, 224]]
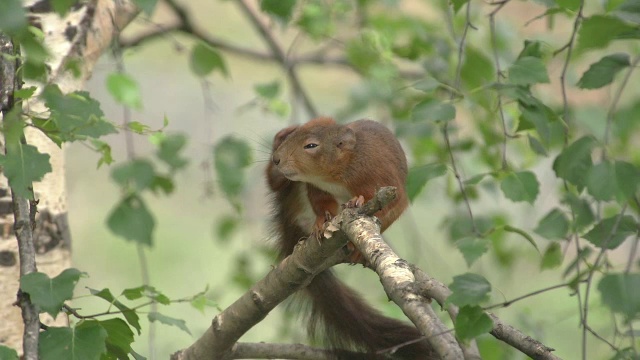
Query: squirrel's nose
[[276, 160]]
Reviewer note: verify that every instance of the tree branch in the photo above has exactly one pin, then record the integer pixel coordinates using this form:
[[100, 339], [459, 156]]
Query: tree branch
[[398, 282], [280, 55], [439, 292], [10, 81]]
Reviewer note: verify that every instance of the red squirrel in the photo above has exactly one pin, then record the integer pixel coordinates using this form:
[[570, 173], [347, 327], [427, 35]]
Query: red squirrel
[[315, 167]]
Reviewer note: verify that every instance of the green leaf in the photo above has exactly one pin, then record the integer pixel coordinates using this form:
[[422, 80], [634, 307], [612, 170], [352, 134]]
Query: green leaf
[[163, 319], [598, 31], [148, 292], [552, 257], [458, 4], [477, 69], [471, 322], [129, 314], [205, 59], [138, 172], [528, 70], [76, 114], [316, 19], [8, 353], [571, 5], [602, 236], [472, 249], [132, 220], [231, 156], [520, 186], [225, 228], [469, 289], [433, 110], [124, 90], [524, 234], [146, 5], [627, 180], [621, 293], [540, 116], [25, 93], [12, 16], [554, 225], [269, 90], [601, 73], [575, 161], [531, 49], [50, 294], [537, 146], [119, 337], [169, 151], [582, 209], [607, 180], [601, 181], [62, 6], [138, 127], [280, 9], [86, 341], [162, 184], [475, 180], [420, 175], [201, 301], [104, 149], [22, 165]]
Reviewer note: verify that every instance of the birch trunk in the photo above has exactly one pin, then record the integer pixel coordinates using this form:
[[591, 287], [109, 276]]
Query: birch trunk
[[83, 34]]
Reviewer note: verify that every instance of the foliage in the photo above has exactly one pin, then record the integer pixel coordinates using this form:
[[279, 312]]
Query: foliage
[[496, 115]]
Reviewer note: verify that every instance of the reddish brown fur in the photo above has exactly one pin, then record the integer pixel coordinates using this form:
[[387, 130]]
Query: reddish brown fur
[[360, 158]]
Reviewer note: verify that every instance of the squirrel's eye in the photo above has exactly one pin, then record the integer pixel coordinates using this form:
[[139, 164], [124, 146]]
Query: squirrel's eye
[[310, 146]]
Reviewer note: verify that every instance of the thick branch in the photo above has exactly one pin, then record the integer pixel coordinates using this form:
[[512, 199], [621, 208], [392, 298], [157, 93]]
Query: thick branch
[[293, 273], [398, 281]]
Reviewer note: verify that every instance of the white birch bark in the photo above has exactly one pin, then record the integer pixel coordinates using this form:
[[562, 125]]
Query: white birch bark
[[83, 34]]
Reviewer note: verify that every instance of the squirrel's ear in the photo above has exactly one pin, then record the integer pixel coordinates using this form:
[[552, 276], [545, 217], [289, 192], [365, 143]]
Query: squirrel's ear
[[281, 135], [347, 139]]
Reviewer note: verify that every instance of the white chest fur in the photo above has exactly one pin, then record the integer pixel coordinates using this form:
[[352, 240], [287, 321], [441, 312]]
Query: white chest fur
[[339, 192]]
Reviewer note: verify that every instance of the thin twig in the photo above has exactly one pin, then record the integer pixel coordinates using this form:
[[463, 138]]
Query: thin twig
[[537, 292], [140, 250], [592, 270], [496, 59], [632, 253], [445, 128], [280, 55], [614, 105], [563, 74]]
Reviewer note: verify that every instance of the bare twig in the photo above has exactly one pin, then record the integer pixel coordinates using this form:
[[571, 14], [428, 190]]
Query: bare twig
[[537, 292], [445, 128], [279, 54], [496, 59], [563, 74], [592, 271], [140, 250]]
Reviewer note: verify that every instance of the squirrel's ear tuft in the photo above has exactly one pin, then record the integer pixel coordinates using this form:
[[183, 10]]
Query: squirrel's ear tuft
[[347, 139]]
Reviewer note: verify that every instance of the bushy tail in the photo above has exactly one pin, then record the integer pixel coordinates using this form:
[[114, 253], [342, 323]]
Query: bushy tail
[[346, 321]]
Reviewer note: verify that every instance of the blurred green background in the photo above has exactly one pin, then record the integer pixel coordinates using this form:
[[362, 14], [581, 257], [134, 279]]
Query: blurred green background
[[188, 255]]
